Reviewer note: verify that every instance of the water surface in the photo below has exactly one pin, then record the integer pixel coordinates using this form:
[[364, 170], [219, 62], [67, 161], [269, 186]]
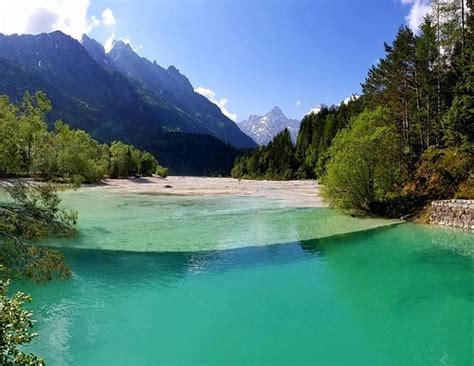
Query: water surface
[[156, 223], [231, 280]]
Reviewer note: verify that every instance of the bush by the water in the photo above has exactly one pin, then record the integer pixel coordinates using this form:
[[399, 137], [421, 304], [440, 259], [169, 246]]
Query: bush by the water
[[15, 328], [363, 162]]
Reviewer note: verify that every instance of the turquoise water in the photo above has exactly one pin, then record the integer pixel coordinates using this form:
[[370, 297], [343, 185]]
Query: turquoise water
[[260, 284], [151, 223]]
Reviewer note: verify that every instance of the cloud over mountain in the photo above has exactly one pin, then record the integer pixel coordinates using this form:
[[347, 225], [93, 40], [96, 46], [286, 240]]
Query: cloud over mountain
[[221, 103]]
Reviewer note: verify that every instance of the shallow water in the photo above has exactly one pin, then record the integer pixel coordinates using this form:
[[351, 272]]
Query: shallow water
[[154, 223], [232, 280]]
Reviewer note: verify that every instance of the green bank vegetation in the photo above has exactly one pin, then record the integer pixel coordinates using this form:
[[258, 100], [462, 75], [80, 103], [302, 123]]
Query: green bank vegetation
[[15, 328], [408, 139], [28, 149]]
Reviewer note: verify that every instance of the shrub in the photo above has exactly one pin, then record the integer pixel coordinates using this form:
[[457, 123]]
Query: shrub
[[363, 162], [161, 171], [15, 325], [440, 172]]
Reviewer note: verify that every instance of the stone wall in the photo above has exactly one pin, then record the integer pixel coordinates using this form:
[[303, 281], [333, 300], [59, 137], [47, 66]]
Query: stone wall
[[454, 213]]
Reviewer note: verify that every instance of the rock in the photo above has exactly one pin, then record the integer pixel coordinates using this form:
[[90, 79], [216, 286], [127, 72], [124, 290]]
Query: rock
[[455, 213]]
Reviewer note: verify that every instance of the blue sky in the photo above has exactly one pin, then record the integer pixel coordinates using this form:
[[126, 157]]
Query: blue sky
[[251, 54]]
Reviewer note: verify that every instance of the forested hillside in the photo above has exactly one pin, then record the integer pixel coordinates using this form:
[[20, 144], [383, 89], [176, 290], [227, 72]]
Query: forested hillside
[[176, 89], [408, 139]]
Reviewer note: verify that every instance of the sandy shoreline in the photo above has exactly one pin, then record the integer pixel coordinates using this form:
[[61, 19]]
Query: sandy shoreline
[[298, 193]]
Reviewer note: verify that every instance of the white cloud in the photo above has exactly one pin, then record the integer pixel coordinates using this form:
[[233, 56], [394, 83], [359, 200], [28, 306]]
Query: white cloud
[[350, 98], [316, 109], [418, 10], [94, 22], [298, 103], [109, 43], [208, 93], [135, 48], [108, 17], [221, 103], [38, 16]]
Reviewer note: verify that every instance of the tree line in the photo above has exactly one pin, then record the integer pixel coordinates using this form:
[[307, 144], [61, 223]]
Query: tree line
[[29, 149], [281, 160], [407, 139]]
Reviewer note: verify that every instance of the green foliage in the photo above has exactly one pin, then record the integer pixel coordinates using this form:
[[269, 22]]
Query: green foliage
[[274, 161], [161, 171], [122, 162], [458, 121], [64, 154], [10, 158], [440, 172], [33, 213], [427, 125], [15, 325], [147, 164], [71, 155], [466, 188], [281, 160], [363, 163], [126, 160], [428, 93], [31, 126], [436, 116], [316, 134], [21, 131]]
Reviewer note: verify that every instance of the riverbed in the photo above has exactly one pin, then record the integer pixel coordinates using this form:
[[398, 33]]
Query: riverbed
[[233, 278]]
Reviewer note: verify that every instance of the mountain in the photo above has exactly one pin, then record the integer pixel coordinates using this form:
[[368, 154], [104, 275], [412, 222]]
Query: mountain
[[173, 86], [102, 99], [263, 128]]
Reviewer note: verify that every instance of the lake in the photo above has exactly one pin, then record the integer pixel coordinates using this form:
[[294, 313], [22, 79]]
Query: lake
[[181, 280]]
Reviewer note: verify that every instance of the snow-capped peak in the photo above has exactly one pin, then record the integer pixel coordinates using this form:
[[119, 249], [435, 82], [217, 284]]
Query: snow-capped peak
[[263, 128], [350, 98]]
